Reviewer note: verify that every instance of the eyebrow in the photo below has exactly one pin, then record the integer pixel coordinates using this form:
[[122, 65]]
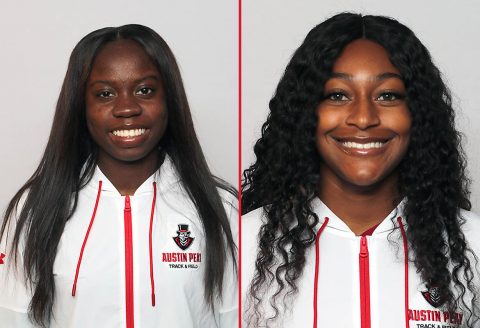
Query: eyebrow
[[380, 77], [153, 77]]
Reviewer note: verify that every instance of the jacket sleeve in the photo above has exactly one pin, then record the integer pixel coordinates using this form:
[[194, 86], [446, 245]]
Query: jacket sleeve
[[228, 310], [14, 295]]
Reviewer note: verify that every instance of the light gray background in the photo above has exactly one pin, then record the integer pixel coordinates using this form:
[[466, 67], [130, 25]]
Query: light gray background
[[37, 38], [273, 29]]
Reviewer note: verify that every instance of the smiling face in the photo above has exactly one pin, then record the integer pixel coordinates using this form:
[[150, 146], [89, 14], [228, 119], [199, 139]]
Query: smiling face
[[125, 105], [364, 124]]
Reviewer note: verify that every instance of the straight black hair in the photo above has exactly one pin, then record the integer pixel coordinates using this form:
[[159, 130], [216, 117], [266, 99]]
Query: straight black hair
[[51, 194]]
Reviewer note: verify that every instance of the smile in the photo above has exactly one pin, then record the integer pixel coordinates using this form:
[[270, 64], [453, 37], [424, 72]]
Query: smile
[[129, 133], [366, 146]]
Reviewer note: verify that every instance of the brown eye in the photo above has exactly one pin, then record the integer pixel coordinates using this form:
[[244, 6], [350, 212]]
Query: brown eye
[[336, 96], [390, 96], [144, 91], [105, 94]]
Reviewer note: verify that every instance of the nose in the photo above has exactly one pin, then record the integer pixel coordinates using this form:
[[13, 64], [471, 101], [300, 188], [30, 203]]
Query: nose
[[126, 106], [363, 114]]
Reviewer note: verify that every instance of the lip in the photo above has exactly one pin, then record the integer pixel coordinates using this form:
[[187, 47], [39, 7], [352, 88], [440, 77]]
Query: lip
[[374, 142], [129, 142], [363, 139]]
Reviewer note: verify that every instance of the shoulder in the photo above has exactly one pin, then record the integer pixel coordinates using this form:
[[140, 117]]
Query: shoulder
[[10, 222], [228, 310], [253, 220], [472, 220], [471, 230], [230, 203], [251, 224], [15, 294]]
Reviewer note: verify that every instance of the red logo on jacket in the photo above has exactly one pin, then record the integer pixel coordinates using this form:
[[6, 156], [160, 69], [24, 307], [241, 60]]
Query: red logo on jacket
[[2, 256], [433, 297], [183, 239]]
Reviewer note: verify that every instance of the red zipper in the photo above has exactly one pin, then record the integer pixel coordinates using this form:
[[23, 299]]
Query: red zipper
[[364, 283], [127, 215]]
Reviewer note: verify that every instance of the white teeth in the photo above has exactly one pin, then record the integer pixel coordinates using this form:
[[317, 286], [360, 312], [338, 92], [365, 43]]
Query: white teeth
[[129, 133], [369, 145]]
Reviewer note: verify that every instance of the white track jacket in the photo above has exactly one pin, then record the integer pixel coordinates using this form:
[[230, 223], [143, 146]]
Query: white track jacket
[[118, 265], [354, 281]]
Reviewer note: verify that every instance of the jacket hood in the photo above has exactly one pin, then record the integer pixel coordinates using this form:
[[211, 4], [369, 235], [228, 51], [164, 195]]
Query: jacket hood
[[335, 223], [166, 176]]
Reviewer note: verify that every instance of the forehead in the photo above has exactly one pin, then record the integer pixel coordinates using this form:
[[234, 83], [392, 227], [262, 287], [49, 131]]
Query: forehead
[[364, 57], [122, 59]]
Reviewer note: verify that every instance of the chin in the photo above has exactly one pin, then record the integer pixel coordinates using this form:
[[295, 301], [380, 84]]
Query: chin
[[364, 183], [130, 156], [372, 179], [365, 179]]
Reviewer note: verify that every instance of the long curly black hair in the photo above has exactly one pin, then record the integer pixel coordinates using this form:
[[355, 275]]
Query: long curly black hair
[[284, 179]]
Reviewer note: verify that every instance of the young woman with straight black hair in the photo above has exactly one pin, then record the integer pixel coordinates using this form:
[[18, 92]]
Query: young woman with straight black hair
[[358, 209], [122, 224]]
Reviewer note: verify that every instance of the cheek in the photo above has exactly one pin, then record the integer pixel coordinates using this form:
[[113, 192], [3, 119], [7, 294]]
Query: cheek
[[157, 110], [160, 119], [90, 111], [327, 120], [95, 123], [399, 121], [92, 118]]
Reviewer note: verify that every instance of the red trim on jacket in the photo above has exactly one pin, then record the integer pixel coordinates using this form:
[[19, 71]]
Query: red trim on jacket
[[405, 252], [150, 244], [127, 215], [317, 268], [370, 231], [364, 267], [85, 239]]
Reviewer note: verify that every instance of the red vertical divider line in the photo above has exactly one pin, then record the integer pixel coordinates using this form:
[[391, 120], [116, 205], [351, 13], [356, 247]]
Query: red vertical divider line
[[239, 163]]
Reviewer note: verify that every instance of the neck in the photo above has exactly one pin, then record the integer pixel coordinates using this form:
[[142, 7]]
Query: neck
[[361, 208], [128, 176]]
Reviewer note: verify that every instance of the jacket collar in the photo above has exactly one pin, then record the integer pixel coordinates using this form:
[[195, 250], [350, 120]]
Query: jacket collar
[[165, 176], [336, 223]]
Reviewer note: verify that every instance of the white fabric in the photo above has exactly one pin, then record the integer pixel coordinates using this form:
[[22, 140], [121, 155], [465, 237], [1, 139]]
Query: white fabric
[[100, 295], [339, 282]]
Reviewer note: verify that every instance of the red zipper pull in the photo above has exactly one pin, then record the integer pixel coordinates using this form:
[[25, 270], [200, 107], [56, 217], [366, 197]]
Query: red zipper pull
[[363, 247], [127, 203]]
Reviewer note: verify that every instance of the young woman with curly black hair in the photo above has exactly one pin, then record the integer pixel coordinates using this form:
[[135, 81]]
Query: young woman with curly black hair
[[122, 224], [358, 200]]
